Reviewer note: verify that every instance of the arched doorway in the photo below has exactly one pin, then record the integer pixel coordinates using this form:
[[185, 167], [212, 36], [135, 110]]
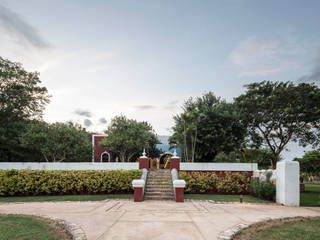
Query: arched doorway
[[105, 157], [164, 158]]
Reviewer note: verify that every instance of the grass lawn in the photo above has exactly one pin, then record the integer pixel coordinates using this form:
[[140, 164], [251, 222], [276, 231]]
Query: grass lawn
[[312, 195], [225, 198], [29, 228], [307, 229], [66, 198]]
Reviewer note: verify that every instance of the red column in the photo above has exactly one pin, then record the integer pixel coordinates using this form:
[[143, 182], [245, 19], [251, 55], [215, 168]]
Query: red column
[[143, 162], [179, 194], [138, 194], [175, 163]]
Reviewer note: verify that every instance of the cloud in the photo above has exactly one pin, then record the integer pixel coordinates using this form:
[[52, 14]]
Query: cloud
[[171, 105], [87, 122], [260, 57], [314, 75], [15, 26], [145, 107], [83, 113], [103, 121]]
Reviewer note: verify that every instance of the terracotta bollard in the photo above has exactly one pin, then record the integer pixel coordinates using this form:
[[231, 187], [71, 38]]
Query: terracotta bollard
[[138, 185]]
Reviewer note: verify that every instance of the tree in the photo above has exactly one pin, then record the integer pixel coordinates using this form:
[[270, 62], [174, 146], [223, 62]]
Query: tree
[[21, 99], [58, 142], [310, 163], [207, 126], [278, 112], [128, 137]]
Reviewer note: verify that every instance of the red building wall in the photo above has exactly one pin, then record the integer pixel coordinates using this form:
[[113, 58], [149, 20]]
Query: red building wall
[[98, 150]]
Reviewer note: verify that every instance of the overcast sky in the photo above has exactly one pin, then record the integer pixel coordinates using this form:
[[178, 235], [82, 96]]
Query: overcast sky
[[142, 59]]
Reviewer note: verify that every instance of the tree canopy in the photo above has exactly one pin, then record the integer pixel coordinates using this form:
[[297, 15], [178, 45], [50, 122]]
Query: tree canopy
[[128, 137], [278, 112], [310, 163], [207, 126], [58, 142], [21, 99]]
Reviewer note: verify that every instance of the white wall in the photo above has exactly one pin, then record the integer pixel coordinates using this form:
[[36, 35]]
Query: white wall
[[68, 166], [218, 166]]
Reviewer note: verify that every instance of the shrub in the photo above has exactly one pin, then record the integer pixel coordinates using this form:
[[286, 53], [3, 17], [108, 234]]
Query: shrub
[[205, 182], [262, 189], [53, 182]]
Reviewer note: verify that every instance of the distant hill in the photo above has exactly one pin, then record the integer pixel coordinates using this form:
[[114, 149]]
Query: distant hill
[[163, 139]]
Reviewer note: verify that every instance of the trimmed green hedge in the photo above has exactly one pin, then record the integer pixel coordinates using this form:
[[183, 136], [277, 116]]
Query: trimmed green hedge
[[56, 182], [207, 182]]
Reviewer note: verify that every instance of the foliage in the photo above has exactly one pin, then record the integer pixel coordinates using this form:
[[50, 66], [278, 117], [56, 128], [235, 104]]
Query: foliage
[[127, 138], [263, 189], [279, 112], [62, 198], [202, 182], [21, 99], [310, 163], [58, 142], [52, 182], [207, 126]]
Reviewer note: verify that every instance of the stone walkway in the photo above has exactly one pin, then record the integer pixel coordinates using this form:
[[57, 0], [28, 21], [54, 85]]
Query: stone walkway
[[124, 219]]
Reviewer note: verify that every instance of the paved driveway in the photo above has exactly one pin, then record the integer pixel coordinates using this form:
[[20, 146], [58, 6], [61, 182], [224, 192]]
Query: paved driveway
[[124, 219]]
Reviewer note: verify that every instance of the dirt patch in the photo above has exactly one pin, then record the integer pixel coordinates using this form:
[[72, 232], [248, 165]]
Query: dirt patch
[[248, 233]]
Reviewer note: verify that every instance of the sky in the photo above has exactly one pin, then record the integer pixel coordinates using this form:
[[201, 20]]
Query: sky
[[143, 59]]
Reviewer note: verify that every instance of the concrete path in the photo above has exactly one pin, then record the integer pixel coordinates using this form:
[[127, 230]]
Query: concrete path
[[124, 219]]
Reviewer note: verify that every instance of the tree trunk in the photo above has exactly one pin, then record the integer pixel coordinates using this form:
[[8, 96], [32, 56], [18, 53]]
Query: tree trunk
[[274, 161], [243, 155]]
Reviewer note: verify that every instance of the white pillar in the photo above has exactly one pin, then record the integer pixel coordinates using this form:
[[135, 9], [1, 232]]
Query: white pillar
[[288, 185]]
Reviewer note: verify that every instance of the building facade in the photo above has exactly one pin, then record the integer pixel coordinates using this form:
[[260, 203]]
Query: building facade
[[100, 154]]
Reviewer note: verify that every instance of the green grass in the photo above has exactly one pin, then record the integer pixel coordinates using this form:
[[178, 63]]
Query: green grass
[[306, 230], [312, 187], [312, 195], [24, 228], [66, 198], [225, 198]]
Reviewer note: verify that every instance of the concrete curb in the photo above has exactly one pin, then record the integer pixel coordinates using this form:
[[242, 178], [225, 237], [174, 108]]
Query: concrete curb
[[76, 231], [230, 233]]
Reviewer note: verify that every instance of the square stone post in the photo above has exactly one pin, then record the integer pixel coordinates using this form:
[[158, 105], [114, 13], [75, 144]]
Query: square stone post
[[144, 161], [288, 185], [178, 186], [175, 162], [138, 186]]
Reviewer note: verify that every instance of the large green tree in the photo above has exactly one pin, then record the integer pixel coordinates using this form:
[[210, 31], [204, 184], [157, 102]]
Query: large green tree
[[21, 99], [279, 112], [310, 163], [58, 142], [207, 126], [127, 138]]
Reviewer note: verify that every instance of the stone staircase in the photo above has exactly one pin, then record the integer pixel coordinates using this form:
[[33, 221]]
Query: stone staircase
[[159, 185]]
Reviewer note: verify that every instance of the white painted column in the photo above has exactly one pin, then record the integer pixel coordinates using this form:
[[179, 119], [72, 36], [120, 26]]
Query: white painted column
[[288, 188]]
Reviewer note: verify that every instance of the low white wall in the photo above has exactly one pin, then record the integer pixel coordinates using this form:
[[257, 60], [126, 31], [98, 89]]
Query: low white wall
[[69, 166], [218, 166]]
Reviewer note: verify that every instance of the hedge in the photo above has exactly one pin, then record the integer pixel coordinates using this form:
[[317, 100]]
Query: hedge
[[207, 182], [56, 182]]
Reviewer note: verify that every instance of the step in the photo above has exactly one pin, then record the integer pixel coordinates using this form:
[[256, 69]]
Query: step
[[159, 190], [158, 198]]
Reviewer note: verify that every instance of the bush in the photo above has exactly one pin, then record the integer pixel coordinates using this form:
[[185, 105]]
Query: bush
[[53, 182], [207, 182], [262, 189]]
